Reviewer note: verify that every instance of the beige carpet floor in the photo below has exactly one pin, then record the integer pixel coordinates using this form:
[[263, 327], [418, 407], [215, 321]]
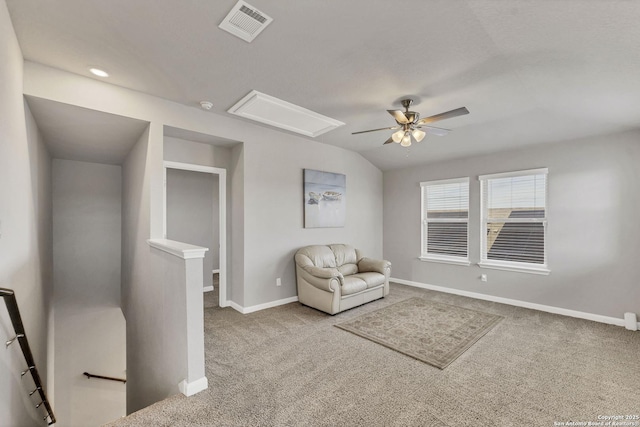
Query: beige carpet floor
[[288, 366]]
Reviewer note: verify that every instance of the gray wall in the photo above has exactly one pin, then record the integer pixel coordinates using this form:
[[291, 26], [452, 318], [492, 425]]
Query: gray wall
[[181, 321], [192, 214], [265, 230], [236, 243], [593, 231], [265, 206], [153, 284], [89, 325], [142, 301], [273, 211], [138, 298], [197, 153], [25, 243], [214, 249]]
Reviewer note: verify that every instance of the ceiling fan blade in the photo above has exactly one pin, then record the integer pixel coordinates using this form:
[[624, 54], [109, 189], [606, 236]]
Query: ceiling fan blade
[[446, 115], [388, 141], [399, 116], [375, 130], [434, 130]]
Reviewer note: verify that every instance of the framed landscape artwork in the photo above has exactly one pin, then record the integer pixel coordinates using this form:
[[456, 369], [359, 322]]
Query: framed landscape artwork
[[325, 199]]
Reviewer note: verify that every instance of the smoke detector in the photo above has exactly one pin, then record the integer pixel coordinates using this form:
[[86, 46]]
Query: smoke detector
[[245, 21], [206, 105]]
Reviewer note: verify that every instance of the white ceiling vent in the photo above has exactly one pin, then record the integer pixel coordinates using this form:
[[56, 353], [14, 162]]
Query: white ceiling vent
[[245, 21], [284, 115]]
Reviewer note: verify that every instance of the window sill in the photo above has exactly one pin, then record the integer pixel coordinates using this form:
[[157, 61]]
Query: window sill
[[521, 269], [445, 260]]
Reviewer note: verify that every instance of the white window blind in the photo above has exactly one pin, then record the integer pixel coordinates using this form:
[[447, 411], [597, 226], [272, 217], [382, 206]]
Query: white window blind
[[445, 219], [514, 218]]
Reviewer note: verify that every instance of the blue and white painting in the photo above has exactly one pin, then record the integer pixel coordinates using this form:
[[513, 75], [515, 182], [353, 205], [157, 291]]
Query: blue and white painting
[[325, 199]]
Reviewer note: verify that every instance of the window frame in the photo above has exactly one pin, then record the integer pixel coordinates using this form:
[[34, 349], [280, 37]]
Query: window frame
[[447, 259], [525, 267]]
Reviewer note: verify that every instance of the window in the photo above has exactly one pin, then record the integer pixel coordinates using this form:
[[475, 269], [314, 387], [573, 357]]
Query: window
[[445, 220], [514, 220]]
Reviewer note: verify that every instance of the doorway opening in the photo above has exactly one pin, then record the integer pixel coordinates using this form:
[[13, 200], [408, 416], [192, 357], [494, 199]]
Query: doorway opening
[[213, 185]]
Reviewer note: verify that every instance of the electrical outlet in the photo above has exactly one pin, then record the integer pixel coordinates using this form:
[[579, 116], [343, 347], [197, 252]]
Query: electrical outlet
[[483, 277], [278, 282]]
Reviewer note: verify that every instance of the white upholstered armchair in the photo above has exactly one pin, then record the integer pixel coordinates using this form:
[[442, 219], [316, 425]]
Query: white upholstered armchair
[[334, 278]]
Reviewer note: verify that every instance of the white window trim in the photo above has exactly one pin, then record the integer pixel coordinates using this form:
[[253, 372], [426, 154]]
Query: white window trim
[[445, 181], [446, 259], [513, 265], [537, 171]]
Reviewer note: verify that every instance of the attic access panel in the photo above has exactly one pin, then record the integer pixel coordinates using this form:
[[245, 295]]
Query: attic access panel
[[284, 115]]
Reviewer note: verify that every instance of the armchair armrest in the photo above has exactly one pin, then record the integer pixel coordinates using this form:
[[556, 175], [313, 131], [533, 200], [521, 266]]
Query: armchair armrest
[[368, 264], [329, 283]]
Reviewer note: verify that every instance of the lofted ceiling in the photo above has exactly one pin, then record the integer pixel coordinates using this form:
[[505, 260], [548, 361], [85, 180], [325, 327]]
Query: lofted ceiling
[[530, 72]]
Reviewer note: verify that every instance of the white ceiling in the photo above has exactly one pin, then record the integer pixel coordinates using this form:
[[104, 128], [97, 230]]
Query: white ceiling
[[530, 72]]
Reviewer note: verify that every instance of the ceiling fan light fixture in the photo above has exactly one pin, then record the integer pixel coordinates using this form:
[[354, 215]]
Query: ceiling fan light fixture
[[409, 123], [418, 134], [397, 136]]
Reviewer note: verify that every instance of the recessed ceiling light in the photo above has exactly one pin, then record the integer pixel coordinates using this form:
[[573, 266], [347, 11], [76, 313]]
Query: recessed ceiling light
[[98, 72]]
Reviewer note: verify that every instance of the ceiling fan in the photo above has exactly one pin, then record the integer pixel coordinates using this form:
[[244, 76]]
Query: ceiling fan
[[410, 124]]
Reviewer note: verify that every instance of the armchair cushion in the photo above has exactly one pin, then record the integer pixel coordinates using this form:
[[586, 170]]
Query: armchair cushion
[[371, 279], [352, 285], [347, 269]]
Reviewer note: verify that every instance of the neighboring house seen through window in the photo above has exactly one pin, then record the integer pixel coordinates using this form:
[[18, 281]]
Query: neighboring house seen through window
[[514, 220], [445, 220]]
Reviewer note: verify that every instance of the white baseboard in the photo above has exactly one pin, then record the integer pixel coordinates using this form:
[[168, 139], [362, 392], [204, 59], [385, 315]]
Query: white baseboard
[[517, 303], [253, 308], [236, 307], [207, 288], [189, 389]]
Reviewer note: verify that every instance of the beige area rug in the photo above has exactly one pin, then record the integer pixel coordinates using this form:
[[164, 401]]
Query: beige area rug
[[432, 332]]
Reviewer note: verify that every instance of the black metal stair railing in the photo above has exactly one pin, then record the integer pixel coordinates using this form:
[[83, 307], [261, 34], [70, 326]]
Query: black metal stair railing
[[102, 377], [9, 298]]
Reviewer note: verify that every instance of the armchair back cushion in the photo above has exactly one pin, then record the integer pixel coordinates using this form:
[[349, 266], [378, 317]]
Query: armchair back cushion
[[347, 258], [317, 256]]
